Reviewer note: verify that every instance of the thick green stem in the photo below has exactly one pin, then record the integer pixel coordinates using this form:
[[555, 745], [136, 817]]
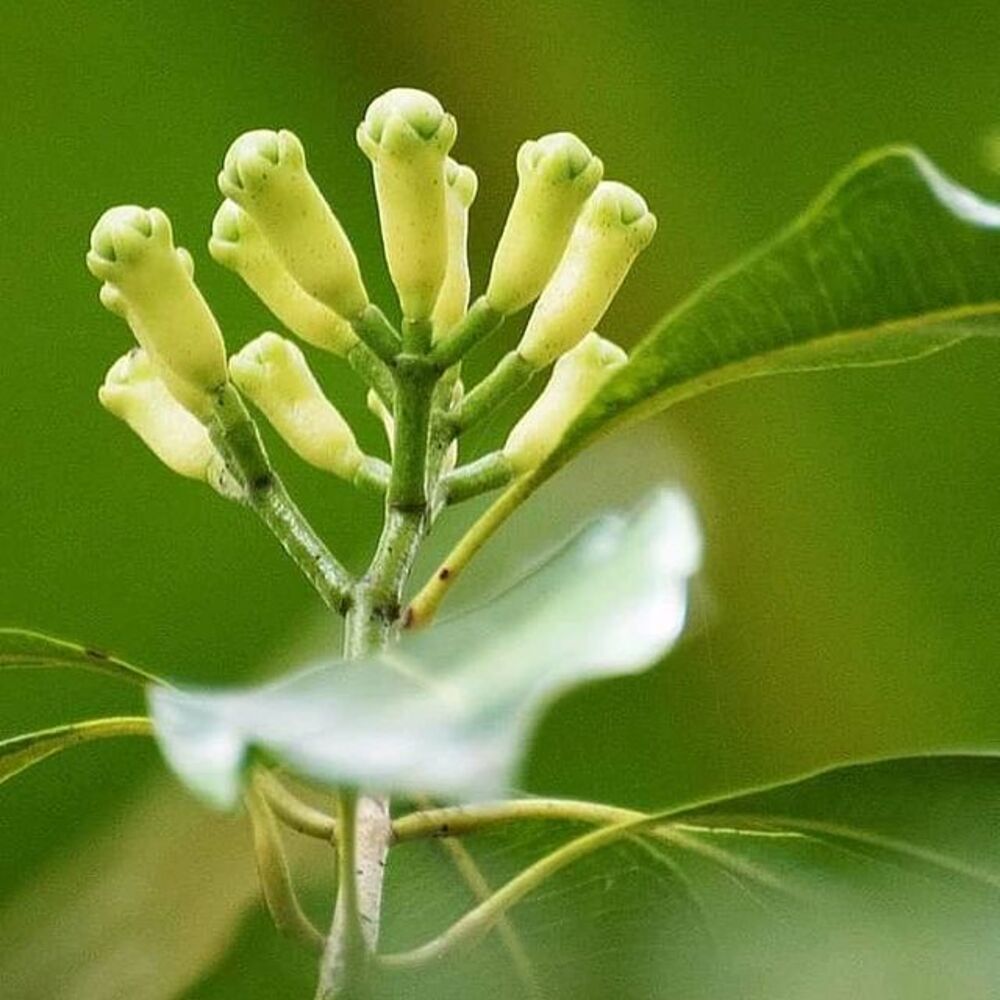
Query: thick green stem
[[377, 333], [484, 474], [370, 625], [415, 382], [511, 374], [480, 321], [363, 823], [417, 336], [237, 440]]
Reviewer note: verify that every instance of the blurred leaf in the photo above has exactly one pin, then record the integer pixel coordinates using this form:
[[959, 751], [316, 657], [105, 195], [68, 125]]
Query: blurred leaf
[[886, 875], [448, 711], [21, 648], [20, 752], [888, 872], [607, 926], [893, 261], [140, 907]]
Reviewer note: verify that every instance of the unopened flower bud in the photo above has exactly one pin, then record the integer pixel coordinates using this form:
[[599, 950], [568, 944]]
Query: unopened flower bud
[[453, 299], [265, 174], [273, 372], [614, 227], [575, 380], [237, 243], [556, 175], [407, 135], [149, 282], [381, 412], [134, 392]]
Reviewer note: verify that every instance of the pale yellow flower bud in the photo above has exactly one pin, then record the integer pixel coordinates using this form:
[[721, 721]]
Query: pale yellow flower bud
[[556, 175], [237, 243], [149, 282], [453, 299], [574, 382], [614, 227], [379, 410], [407, 135], [273, 372], [134, 392], [265, 174]]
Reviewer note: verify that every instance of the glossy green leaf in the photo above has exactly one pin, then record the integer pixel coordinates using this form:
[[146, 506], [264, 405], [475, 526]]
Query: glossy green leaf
[[448, 711], [892, 262], [20, 752], [887, 871], [22, 648], [873, 880]]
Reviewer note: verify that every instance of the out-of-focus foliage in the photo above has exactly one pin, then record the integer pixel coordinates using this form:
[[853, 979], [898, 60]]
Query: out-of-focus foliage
[[852, 567], [450, 711]]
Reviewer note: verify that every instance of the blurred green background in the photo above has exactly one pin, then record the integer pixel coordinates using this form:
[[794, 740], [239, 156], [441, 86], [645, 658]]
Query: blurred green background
[[853, 557]]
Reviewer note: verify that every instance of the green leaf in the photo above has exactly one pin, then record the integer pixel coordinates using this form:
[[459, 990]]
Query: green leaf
[[888, 869], [892, 262], [448, 711], [873, 880], [21, 648], [20, 752]]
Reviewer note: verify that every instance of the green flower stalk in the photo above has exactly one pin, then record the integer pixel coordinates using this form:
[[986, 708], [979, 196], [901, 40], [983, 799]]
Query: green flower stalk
[[274, 374], [134, 392], [575, 380], [381, 412], [150, 283], [407, 136], [237, 243], [614, 227], [265, 174], [453, 299], [556, 175], [568, 243]]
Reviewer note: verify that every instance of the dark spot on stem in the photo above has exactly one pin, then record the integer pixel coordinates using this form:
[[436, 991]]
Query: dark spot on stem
[[96, 654], [443, 573]]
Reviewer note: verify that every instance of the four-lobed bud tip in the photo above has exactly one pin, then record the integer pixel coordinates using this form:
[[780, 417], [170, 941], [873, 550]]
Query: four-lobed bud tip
[[614, 227], [273, 372], [237, 243], [265, 174], [407, 135], [575, 380], [150, 283], [569, 241], [556, 175], [134, 392]]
